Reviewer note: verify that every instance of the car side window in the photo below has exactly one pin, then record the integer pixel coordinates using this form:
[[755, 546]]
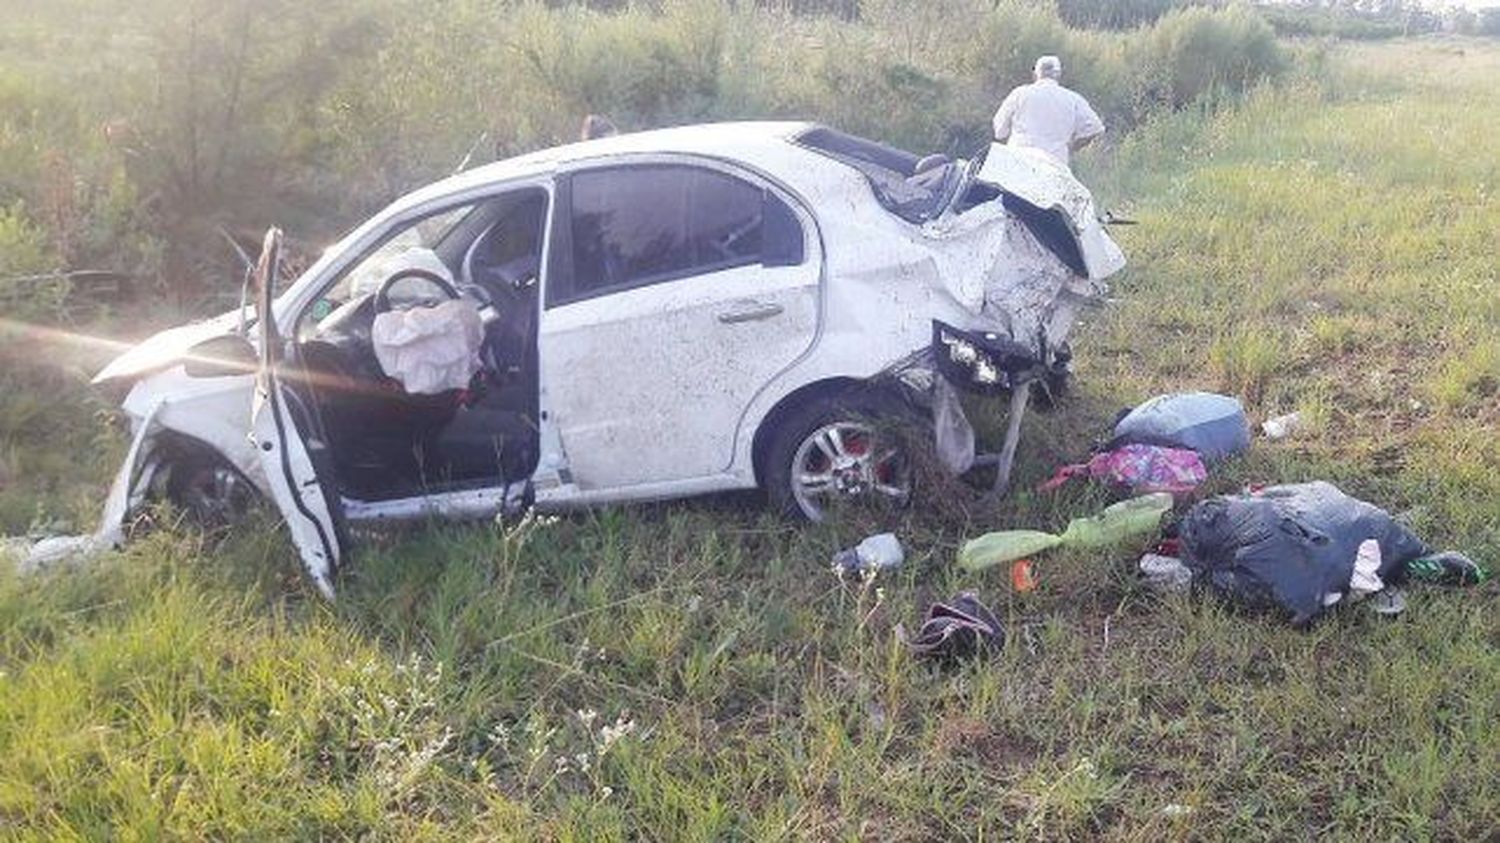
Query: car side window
[[633, 226], [724, 220]]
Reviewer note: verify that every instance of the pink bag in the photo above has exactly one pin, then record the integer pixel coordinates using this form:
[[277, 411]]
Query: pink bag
[[1141, 468]]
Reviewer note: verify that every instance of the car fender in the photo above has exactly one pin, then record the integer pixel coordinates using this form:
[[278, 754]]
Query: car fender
[[212, 411], [982, 272], [879, 310]]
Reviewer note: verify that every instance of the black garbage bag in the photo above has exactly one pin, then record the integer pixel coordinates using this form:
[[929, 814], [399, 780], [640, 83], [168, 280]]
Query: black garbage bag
[[1289, 546], [959, 629]]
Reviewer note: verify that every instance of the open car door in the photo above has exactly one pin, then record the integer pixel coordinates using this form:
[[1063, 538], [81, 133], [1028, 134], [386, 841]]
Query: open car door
[[310, 513]]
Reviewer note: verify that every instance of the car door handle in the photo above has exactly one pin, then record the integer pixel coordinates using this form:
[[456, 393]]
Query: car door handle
[[750, 312]]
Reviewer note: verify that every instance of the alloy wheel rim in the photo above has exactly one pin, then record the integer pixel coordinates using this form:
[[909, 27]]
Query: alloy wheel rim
[[846, 461]]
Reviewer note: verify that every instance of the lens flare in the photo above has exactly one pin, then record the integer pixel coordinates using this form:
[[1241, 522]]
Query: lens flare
[[38, 339]]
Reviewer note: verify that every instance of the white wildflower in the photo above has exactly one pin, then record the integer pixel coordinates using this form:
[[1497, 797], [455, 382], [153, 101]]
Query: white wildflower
[[1176, 810], [611, 734]]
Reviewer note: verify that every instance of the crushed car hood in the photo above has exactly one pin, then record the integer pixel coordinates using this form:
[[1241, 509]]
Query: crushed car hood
[[167, 348], [1040, 181]]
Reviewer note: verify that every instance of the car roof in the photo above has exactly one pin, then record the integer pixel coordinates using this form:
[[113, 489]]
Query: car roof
[[703, 138], [757, 142]]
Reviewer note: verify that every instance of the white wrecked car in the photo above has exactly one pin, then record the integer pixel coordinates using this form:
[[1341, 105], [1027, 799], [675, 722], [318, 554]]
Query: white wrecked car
[[644, 316]]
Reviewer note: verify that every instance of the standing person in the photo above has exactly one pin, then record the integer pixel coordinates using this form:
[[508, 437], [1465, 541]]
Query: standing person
[[1044, 115]]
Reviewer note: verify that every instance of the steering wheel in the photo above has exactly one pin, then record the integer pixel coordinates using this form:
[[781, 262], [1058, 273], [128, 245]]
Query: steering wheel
[[382, 299]]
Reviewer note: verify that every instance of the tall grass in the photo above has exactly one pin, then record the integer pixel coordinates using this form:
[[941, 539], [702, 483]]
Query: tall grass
[[692, 672]]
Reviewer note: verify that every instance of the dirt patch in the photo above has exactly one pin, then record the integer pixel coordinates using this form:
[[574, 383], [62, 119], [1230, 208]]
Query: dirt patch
[[996, 749]]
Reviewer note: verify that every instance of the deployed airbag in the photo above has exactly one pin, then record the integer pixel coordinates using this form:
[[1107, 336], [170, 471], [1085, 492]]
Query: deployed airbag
[[430, 349]]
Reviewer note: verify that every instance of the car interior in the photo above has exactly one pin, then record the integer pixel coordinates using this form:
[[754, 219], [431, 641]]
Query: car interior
[[386, 442]]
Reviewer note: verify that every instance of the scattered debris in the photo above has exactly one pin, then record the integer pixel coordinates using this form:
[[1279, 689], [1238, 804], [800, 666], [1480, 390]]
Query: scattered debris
[[1282, 426], [1139, 468], [1213, 425], [1298, 547], [1117, 522], [1366, 577], [55, 549], [880, 552], [1163, 444], [1166, 573], [959, 629], [1176, 810], [1447, 568], [1023, 576], [1391, 601]]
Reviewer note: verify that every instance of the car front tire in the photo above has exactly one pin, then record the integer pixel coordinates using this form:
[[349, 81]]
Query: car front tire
[[209, 491]]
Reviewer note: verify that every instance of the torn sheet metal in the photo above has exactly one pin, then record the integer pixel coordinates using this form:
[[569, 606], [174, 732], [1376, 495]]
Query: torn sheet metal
[[1039, 180], [997, 268]]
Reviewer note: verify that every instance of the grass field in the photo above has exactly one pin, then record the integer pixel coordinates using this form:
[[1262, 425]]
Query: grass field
[[692, 671]]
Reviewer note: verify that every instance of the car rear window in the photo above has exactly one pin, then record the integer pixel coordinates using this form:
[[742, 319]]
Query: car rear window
[[891, 172], [851, 148]]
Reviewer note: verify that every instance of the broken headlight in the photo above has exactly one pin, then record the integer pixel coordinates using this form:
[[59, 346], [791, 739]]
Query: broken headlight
[[980, 362]]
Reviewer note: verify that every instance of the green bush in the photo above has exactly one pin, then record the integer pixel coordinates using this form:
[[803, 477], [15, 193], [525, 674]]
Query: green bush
[[173, 120], [1196, 53], [1489, 22], [1328, 23], [1120, 14], [29, 287]]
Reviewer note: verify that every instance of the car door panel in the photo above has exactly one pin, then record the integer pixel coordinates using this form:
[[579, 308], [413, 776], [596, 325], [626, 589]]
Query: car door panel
[[296, 487], [647, 384]]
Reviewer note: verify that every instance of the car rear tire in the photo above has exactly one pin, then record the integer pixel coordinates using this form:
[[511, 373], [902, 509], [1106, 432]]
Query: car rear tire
[[840, 450]]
